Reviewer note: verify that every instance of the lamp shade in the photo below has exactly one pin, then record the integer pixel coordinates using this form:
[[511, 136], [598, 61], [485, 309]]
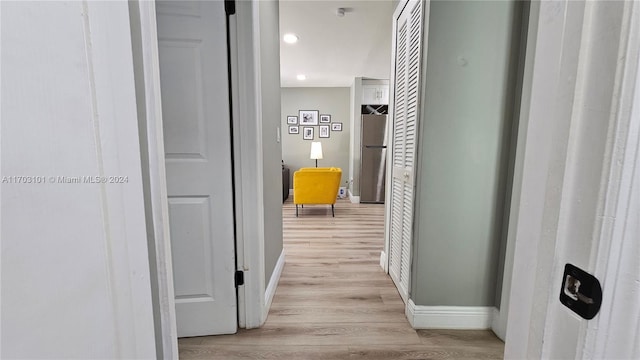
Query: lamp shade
[[316, 151]]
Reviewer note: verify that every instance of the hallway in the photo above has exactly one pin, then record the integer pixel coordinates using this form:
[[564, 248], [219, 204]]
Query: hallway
[[335, 302]]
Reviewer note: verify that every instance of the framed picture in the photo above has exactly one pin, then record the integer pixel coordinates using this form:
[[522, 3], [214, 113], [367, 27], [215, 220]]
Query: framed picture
[[294, 130], [308, 117], [336, 126], [324, 131], [292, 120], [307, 133], [325, 118]]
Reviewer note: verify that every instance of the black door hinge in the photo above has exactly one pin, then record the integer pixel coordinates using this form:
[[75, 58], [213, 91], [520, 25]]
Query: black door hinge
[[230, 7], [239, 278]]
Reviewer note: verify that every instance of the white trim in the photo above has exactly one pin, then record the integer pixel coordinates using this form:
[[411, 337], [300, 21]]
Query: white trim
[[354, 199], [248, 159], [384, 262], [538, 326], [159, 212], [290, 191], [539, 128], [613, 334], [449, 317], [273, 284], [499, 326]]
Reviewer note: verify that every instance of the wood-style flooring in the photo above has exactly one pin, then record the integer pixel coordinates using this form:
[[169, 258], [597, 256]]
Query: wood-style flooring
[[335, 302]]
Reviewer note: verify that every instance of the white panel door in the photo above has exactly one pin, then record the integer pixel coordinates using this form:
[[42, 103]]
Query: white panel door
[[195, 111], [408, 54]]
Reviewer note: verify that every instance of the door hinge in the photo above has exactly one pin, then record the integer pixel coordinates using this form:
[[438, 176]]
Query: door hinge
[[239, 278], [230, 7]]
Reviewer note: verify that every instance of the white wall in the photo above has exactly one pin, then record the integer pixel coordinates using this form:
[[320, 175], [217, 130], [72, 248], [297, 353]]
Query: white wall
[[75, 272]]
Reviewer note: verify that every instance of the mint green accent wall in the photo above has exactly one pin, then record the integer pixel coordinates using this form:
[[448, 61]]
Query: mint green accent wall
[[465, 126]]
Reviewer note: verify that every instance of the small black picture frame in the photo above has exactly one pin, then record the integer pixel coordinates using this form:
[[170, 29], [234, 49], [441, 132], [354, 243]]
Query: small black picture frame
[[307, 133], [325, 118], [323, 132], [337, 126], [292, 120], [294, 130]]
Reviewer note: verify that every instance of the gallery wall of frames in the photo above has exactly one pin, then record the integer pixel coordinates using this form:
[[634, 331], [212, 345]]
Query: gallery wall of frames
[[312, 125]]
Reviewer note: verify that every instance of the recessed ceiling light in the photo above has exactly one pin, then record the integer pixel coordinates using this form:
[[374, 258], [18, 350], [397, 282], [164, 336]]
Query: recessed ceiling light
[[290, 38], [302, 77]]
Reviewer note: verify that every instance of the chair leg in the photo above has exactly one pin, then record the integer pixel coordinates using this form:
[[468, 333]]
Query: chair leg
[[296, 210], [333, 214], [302, 206]]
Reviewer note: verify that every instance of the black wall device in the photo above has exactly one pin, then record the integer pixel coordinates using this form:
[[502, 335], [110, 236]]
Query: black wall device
[[581, 292]]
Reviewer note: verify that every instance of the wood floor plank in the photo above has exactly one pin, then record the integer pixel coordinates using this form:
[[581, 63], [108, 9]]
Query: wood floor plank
[[334, 301], [304, 314], [267, 352], [461, 352], [319, 334]]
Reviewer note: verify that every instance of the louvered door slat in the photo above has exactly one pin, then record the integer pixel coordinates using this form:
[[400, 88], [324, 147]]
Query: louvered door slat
[[400, 97], [395, 250]]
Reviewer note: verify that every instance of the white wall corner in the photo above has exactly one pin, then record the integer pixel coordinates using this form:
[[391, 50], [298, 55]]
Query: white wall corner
[[273, 285], [291, 192], [383, 260], [450, 317], [499, 325], [354, 199]]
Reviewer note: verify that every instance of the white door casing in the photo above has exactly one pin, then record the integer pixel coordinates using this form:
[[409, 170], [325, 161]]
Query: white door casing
[[408, 38], [580, 189], [196, 112], [593, 189]]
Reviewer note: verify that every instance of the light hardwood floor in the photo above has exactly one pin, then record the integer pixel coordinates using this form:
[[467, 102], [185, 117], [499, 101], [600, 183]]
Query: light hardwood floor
[[335, 302]]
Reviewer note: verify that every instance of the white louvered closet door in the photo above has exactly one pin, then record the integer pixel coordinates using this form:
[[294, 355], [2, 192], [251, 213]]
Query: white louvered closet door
[[408, 54]]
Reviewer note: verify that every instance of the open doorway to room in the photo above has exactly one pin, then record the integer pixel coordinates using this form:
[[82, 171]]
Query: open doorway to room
[[339, 289]]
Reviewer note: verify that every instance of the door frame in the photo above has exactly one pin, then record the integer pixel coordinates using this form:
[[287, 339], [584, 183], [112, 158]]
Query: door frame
[[546, 165], [249, 217]]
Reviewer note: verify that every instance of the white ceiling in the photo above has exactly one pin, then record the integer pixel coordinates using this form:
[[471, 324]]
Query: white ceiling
[[332, 50]]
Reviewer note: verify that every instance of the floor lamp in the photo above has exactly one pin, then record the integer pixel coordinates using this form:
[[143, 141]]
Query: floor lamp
[[316, 151]]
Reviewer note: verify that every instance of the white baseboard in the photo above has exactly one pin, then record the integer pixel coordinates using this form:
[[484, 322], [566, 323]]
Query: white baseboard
[[273, 284], [449, 317], [383, 260], [354, 199]]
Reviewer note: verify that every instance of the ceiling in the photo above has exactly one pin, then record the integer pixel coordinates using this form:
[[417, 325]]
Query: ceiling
[[332, 50]]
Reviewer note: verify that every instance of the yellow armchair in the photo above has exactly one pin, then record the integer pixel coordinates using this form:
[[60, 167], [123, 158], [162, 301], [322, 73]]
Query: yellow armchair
[[316, 186]]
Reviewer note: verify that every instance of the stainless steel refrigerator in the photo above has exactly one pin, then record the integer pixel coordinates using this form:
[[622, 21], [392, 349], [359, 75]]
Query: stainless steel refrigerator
[[373, 158]]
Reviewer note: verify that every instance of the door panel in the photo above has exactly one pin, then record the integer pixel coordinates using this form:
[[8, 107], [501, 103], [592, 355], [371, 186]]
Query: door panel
[[195, 109]]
